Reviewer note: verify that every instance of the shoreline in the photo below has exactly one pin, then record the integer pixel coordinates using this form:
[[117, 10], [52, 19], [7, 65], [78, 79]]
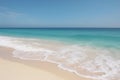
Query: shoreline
[[6, 55]]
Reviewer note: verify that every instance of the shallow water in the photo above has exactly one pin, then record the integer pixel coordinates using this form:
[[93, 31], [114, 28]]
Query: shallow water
[[91, 53]]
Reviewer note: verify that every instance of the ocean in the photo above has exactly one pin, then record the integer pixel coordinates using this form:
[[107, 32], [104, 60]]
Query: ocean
[[89, 52]]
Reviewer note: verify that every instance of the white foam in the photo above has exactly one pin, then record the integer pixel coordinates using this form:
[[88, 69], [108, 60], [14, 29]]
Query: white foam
[[106, 65], [98, 63]]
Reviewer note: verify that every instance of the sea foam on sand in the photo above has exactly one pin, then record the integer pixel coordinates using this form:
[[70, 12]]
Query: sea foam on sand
[[87, 61]]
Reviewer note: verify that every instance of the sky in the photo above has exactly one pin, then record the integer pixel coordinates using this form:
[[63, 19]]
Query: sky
[[60, 13]]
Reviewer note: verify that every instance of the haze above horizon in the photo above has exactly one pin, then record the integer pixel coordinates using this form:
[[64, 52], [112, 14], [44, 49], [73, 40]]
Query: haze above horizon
[[60, 13]]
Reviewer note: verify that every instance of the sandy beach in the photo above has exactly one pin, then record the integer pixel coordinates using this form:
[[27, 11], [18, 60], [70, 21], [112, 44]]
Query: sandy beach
[[15, 69]]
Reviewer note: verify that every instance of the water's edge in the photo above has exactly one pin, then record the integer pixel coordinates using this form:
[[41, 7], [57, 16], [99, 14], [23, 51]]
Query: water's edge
[[87, 61]]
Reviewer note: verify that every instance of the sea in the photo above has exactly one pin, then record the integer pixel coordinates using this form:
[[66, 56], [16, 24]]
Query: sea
[[88, 52]]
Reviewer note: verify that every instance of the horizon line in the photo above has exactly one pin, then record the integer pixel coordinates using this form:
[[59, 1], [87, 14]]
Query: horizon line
[[55, 27]]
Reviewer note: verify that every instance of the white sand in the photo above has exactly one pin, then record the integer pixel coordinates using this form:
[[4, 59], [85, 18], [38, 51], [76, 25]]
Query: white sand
[[16, 69]]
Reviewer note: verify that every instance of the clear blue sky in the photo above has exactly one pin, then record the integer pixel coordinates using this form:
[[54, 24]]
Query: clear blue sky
[[59, 13]]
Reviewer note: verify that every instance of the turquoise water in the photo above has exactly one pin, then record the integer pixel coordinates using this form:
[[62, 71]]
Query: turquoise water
[[94, 50], [105, 37]]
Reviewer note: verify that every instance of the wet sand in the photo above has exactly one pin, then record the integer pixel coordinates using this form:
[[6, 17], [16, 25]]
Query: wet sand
[[12, 68]]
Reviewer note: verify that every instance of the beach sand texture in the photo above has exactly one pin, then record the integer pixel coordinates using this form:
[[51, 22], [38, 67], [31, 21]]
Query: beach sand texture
[[15, 69]]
